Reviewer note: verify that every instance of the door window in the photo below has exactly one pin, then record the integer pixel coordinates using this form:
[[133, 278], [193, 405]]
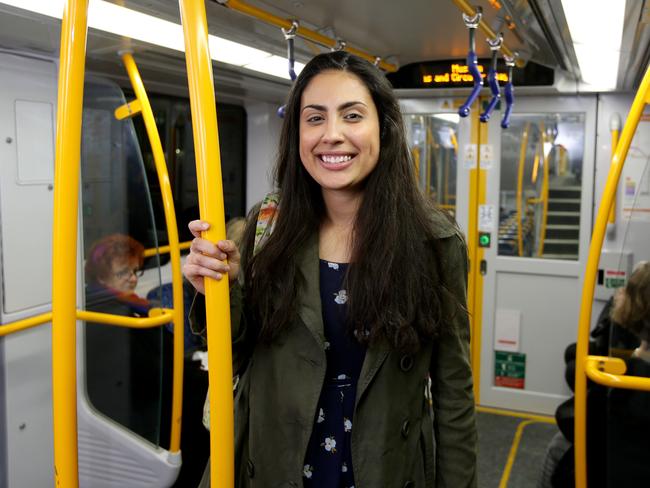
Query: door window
[[125, 368], [541, 186], [434, 150]]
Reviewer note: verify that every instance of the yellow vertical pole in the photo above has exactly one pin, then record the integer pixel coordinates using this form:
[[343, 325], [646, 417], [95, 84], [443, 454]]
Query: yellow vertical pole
[[64, 251], [174, 249], [520, 188], [208, 172], [475, 282], [545, 189], [580, 434], [615, 127]]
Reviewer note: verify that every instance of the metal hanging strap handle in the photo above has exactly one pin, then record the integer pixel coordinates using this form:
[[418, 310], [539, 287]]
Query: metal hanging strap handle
[[495, 46], [509, 91], [472, 63], [290, 36]]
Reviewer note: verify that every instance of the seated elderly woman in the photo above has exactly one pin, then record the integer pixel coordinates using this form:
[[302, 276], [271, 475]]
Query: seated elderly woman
[[123, 366], [113, 266]]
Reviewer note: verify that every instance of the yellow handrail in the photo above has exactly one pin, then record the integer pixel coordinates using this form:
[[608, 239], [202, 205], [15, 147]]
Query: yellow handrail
[[520, 187], [23, 324], [595, 370], [591, 273], [173, 247], [533, 178], [308, 34], [615, 127], [415, 152], [544, 197], [211, 205], [64, 243], [469, 10], [157, 317], [165, 249]]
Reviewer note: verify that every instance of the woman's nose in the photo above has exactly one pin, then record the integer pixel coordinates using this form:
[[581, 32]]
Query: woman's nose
[[333, 132]]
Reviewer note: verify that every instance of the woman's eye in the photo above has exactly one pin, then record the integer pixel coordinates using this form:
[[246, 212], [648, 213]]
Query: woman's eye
[[314, 118], [353, 116]]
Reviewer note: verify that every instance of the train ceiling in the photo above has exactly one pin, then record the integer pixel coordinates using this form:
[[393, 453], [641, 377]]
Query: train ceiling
[[399, 32]]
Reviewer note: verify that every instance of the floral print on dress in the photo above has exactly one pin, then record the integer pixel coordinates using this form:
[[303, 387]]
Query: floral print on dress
[[328, 460], [341, 297], [329, 444]]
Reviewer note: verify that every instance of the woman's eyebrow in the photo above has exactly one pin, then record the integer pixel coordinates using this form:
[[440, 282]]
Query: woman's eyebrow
[[341, 107]]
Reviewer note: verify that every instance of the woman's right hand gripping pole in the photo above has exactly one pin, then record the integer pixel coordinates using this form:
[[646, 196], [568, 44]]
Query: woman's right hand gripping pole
[[208, 259]]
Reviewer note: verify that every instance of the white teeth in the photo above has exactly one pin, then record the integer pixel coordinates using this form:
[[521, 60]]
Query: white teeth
[[335, 159]]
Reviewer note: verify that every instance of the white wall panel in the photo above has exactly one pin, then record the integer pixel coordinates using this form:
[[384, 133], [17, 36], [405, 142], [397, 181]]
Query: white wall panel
[[264, 127]]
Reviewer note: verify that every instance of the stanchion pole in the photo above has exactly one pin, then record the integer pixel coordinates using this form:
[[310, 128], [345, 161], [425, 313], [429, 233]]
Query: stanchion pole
[[217, 300], [64, 245]]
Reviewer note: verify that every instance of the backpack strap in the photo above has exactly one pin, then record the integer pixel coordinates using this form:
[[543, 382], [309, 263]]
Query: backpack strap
[[266, 220]]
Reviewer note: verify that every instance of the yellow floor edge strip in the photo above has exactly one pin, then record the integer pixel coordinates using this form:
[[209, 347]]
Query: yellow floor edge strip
[[512, 413], [513, 452]]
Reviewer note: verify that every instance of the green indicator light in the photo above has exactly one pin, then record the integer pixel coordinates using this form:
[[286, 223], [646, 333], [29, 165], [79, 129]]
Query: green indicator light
[[484, 239]]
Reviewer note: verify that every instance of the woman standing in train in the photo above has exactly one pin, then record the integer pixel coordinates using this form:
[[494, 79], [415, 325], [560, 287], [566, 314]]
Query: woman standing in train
[[350, 332]]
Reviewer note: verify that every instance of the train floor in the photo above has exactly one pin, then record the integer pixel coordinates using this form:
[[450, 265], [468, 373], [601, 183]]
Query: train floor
[[511, 450]]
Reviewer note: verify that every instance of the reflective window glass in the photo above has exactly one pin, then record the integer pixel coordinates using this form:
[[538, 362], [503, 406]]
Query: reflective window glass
[[541, 186], [434, 150], [125, 368]]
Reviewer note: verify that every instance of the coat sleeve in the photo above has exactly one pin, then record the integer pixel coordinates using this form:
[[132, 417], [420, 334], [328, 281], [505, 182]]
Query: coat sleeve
[[453, 397]]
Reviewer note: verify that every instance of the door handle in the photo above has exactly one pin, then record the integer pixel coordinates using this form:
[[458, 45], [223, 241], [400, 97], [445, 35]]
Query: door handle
[[483, 267]]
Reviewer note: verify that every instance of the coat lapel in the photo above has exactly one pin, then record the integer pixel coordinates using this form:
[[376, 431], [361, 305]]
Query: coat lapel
[[309, 303], [375, 357]]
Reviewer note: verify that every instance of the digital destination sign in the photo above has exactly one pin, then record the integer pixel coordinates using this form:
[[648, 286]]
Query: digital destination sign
[[455, 74]]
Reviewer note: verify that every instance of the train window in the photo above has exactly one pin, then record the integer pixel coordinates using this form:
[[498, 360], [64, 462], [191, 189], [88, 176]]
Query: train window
[[541, 186], [434, 148], [174, 121], [126, 370]]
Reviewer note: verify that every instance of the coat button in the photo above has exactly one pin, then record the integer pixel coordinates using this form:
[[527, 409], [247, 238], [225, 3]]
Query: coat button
[[250, 469], [405, 429], [406, 363], [409, 484]]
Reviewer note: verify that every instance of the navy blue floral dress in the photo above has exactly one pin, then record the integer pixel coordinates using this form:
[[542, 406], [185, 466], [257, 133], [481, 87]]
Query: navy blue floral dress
[[328, 463]]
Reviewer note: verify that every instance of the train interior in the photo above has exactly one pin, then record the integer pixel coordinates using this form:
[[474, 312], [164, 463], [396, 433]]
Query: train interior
[[526, 196]]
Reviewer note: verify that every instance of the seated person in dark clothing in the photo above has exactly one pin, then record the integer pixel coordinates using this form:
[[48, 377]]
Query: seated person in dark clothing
[[125, 367], [628, 427]]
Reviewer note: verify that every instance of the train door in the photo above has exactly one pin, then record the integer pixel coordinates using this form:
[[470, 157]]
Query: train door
[[123, 374], [534, 226], [523, 198]]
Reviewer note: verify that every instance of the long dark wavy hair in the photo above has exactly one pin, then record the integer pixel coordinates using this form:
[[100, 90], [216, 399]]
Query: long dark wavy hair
[[393, 292]]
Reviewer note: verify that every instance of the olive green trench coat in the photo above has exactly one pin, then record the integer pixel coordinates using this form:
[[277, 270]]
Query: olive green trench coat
[[406, 434]]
